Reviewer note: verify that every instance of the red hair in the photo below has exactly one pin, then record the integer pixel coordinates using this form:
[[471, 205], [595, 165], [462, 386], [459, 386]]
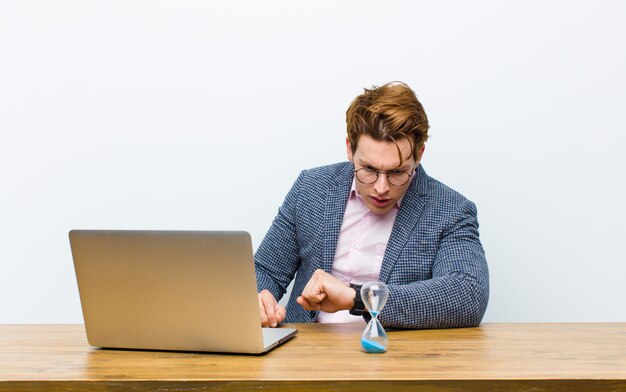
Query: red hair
[[388, 113]]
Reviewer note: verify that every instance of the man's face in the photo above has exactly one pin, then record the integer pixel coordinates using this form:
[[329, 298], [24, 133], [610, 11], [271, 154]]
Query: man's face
[[380, 196]]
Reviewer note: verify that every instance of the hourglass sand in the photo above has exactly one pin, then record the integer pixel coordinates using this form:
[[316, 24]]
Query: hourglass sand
[[374, 296]]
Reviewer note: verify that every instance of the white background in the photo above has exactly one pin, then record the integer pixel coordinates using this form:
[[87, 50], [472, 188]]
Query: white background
[[199, 115]]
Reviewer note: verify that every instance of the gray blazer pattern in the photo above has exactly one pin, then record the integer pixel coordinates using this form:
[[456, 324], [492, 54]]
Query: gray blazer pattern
[[434, 263]]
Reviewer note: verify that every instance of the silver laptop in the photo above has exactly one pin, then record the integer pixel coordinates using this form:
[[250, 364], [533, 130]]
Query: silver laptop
[[171, 290]]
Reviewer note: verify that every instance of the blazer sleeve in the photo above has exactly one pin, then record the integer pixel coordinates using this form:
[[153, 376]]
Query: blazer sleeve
[[277, 259], [457, 293]]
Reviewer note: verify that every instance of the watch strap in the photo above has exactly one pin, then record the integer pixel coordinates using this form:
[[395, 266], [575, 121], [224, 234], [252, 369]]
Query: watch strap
[[358, 308]]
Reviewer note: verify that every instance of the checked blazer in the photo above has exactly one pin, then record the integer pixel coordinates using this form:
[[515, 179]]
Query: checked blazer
[[434, 263]]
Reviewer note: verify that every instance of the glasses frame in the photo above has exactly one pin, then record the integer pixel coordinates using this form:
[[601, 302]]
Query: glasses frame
[[386, 173]]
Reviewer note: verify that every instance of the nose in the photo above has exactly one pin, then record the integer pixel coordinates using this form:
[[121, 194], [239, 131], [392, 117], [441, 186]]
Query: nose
[[381, 185]]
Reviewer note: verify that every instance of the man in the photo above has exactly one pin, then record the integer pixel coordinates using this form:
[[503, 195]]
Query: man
[[378, 217]]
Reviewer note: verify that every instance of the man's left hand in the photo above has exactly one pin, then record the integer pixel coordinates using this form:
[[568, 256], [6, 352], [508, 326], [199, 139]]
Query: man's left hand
[[326, 293]]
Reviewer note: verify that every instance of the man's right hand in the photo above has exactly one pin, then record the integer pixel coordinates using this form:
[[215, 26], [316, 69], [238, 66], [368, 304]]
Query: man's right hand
[[271, 312]]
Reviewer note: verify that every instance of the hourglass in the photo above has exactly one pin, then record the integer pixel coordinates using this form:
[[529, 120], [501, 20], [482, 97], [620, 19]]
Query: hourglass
[[374, 296]]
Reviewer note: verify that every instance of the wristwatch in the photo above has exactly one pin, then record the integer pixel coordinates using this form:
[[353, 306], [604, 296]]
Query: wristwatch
[[358, 308]]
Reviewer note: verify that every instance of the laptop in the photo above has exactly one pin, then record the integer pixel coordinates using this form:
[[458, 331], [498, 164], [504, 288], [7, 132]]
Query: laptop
[[171, 290]]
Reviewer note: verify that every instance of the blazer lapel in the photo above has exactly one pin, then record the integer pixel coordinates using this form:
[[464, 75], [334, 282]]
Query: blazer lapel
[[336, 200], [411, 209]]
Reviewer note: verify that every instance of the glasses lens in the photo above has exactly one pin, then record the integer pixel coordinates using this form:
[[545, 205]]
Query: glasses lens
[[366, 176], [398, 178]]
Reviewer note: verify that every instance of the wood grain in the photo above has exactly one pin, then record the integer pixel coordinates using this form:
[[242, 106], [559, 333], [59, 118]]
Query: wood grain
[[536, 356]]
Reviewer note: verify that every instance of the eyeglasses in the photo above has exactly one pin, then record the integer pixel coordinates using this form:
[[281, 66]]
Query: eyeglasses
[[368, 175]]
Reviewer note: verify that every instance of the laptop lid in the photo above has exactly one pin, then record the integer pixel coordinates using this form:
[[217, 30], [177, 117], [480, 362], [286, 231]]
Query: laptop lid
[[170, 290]]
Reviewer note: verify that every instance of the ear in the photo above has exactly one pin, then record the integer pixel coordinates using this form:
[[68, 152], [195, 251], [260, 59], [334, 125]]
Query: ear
[[420, 153], [349, 149]]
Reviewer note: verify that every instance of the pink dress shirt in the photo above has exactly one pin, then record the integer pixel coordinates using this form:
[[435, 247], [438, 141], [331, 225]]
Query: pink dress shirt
[[360, 249]]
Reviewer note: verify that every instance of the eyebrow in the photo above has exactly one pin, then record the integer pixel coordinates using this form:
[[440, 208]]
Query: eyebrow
[[401, 167]]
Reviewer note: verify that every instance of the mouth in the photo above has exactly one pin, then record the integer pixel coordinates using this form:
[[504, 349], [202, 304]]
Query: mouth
[[380, 203]]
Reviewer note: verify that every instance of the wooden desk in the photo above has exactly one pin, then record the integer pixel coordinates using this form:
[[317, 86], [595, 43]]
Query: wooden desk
[[516, 357]]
